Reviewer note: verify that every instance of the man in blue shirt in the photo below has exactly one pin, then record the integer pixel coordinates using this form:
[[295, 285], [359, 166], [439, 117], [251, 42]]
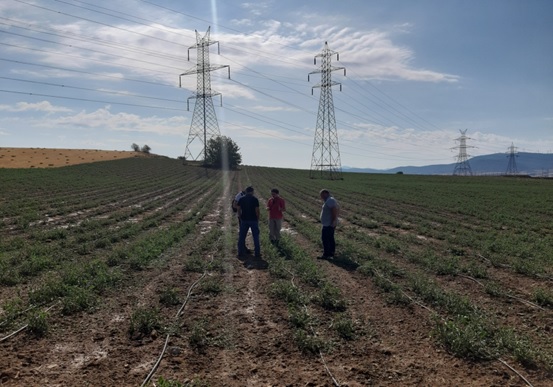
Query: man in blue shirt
[[248, 212], [329, 221]]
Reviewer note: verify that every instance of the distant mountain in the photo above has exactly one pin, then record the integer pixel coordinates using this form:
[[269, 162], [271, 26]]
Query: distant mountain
[[534, 164]]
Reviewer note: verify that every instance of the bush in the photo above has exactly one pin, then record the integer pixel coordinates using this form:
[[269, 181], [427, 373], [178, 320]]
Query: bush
[[222, 152]]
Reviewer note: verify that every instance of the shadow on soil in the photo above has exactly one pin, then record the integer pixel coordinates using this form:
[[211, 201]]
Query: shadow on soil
[[344, 263], [252, 263]]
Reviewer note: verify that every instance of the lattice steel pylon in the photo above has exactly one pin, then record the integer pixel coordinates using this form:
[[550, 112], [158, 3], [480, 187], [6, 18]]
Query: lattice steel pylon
[[204, 124], [512, 166], [325, 161], [462, 167]]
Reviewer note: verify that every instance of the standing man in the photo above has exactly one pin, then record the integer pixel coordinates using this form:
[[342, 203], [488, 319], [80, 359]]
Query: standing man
[[276, 206], [329, 221], [248, 213], [235, 201]]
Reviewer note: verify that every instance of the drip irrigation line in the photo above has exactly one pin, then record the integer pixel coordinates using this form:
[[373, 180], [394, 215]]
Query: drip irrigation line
[[530, 303], [406, 295], [14, 333], [328, 371], [188, 295], [19, 314], [443, 320], [23, 327], [515, 371]]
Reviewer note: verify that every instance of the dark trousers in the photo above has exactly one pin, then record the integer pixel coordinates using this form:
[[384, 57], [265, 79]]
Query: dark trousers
[[245, 226], [329, 245]]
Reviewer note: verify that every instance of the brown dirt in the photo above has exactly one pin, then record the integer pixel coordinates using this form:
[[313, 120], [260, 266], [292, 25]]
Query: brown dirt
[[250, 335], [51, 158]]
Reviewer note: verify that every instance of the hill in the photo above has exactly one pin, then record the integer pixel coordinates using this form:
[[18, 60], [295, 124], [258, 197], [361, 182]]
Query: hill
[[533, 164], [51, 158]]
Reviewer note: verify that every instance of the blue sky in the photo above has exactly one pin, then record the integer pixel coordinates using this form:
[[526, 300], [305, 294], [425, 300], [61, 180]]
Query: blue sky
[[104, 74]]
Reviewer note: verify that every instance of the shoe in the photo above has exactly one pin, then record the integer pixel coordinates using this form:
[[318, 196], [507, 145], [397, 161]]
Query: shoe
[[324, 257]]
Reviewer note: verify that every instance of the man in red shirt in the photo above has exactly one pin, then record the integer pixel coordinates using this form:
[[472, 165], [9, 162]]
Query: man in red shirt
[[276, 206]]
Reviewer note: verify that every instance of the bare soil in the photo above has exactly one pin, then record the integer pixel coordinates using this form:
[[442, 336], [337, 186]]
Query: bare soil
[[51, 158], [250, 338]]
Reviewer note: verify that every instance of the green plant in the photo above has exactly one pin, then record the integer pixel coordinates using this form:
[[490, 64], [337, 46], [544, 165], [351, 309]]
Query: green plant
[[287, 292], [198, 337], [78, 299], [299, 317], [12, 308], [195, 263], [169, 297], [144, 321], [345, 327], [211, 285], [162, 382], [330, 298], [543, 297], [38, 324], [494, 289], [467, 337], [309, 343]]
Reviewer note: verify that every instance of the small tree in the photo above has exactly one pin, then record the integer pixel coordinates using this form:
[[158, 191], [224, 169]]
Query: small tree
[[222, 152], [146, 149], [135, 147]]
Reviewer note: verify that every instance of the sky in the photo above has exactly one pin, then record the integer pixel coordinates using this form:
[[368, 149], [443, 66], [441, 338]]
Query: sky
[[102, 74]]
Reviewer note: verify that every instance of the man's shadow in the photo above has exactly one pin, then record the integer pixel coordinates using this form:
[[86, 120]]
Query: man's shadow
[[252, 263], [344, 263]]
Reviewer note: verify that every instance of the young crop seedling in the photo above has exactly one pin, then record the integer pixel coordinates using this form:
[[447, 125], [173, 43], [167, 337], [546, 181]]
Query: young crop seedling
[[143, 322], [38, 324]]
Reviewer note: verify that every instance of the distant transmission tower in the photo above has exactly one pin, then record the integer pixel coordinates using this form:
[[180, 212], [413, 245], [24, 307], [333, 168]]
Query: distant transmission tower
[[325, 161], [512, 166], [204, 124], [462, 168]]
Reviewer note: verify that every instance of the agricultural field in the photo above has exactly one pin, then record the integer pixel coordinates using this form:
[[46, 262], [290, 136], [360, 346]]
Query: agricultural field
[[125, 272], [53, 158]]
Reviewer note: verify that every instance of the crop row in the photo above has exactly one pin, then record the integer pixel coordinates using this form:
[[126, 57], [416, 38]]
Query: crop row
[[76, 265], [379, 255]]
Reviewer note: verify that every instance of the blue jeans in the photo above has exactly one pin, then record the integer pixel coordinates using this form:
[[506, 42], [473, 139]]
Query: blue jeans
[[245, 225], [329, 245]]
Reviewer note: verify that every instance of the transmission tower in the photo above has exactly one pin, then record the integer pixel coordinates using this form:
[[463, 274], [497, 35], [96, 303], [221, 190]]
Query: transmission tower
[[462, 168], [204, 124], [512, 166], [325, 161]]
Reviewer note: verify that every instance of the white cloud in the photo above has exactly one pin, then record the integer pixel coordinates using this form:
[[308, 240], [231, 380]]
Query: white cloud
[[43, 106], [242, 22], [104, 119], [256, 8]]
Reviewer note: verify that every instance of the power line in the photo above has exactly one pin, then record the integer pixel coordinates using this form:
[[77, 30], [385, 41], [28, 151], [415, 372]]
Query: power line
[[363, 116], [88, 100]]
